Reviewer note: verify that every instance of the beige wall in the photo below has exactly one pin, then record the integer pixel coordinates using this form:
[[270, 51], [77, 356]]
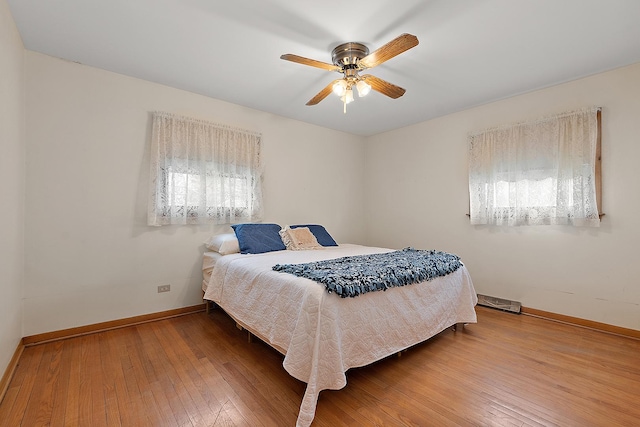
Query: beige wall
[[90, 257], [417, 194], [12, 171]]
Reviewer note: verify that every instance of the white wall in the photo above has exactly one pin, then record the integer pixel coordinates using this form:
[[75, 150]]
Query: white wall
[[417, 194], [12, 169], [90, 257]]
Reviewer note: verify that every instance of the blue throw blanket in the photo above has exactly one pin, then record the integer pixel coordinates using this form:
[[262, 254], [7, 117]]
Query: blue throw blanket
[[354, 275]]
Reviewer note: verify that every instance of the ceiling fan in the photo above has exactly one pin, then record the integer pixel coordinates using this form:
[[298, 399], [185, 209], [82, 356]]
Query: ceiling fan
[[352, 58]]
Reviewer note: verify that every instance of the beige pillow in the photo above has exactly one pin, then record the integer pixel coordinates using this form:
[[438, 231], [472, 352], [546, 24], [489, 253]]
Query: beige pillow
[[297, 239]]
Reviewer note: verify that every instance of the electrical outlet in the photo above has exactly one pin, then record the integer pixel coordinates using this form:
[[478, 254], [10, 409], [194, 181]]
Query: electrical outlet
[[164, 288]]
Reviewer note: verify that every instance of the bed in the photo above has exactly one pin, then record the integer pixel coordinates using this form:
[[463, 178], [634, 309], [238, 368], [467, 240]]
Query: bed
[[320, 334]]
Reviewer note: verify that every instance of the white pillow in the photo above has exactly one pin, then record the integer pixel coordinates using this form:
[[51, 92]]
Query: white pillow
[[224, 244], [299, 239]]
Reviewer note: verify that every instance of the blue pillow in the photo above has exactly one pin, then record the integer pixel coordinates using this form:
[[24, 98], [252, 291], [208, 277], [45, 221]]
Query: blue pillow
[[258, 238], [322, 235]]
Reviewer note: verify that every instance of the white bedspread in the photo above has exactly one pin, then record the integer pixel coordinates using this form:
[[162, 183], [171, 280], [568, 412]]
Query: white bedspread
[[324, 335]]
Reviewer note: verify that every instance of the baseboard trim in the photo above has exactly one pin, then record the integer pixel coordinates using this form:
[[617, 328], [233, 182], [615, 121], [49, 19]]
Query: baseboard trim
[[106, 326], [11, 368], [576, 321]]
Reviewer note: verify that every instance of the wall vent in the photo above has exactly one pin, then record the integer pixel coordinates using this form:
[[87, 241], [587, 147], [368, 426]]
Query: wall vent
[[499, 303]]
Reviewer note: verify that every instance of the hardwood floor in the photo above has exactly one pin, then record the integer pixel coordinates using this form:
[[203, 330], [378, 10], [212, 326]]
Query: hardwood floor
[[199, 370]]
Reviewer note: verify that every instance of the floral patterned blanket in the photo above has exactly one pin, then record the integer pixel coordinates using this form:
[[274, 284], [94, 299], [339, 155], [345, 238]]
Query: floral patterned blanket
[[355, 275]]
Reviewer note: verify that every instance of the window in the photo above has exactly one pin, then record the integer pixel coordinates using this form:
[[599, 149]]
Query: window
[[203, 173], [541, 172], [225, 194]]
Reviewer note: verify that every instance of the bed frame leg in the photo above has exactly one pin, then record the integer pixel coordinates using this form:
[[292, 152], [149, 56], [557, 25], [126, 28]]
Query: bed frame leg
[[458, 327], [209, 305]]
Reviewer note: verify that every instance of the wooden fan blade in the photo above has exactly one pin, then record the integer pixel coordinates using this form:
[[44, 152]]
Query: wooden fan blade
[[395, 47], [328, 89], [383, 86], [311, 62]]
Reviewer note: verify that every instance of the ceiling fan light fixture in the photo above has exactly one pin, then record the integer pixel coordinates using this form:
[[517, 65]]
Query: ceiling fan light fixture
[[363, 88], [347, 98], [340, 87]]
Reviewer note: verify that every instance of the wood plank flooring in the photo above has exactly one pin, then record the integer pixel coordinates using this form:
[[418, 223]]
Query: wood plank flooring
[[199, 370]]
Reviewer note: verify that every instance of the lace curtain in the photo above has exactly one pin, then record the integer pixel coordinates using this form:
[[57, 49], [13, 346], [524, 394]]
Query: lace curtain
[[203, 173], [541, 172]]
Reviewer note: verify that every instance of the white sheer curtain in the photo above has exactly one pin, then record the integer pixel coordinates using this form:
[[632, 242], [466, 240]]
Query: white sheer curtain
[[541, 172], [203, 173]]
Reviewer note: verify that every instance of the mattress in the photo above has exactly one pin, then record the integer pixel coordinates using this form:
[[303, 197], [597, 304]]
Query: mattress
[[323, 335], [209, 260]]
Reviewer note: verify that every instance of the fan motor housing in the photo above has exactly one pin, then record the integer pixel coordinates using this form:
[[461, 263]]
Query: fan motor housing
[[347, 55]]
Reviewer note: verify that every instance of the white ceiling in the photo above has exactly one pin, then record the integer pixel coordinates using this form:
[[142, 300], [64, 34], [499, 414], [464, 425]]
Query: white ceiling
[[471, 51]]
